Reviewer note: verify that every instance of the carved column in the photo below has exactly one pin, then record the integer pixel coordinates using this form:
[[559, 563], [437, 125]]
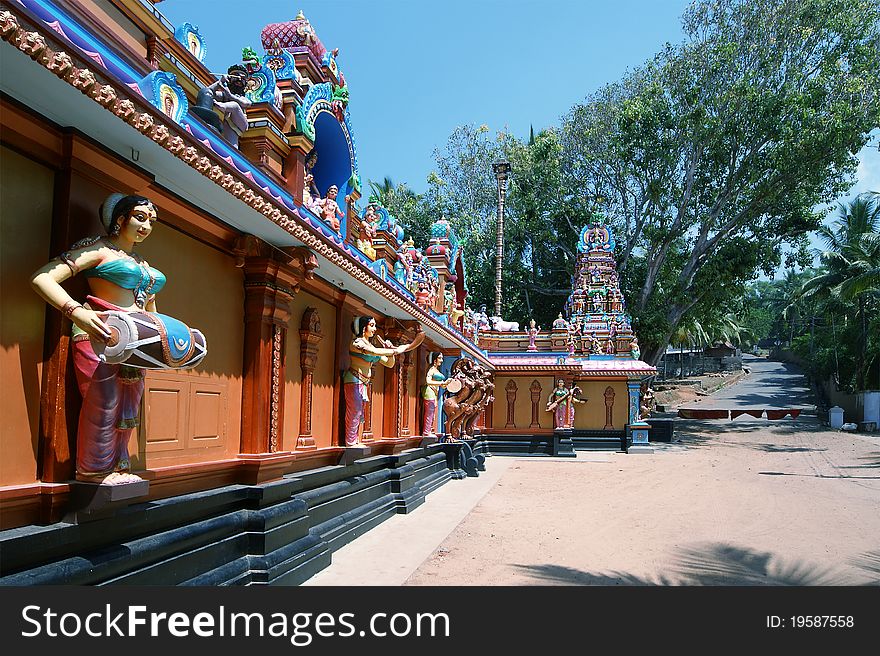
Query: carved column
[[395, 415], [609, 407], [634, 388], [271, 280], [535, 390], [510, 388], [403, 404], [156, 50], [294, 167], [310, 337]]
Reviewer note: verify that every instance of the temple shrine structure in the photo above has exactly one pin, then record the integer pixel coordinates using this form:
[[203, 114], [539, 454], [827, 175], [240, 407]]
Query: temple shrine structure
[[591, 348], [277, 367]]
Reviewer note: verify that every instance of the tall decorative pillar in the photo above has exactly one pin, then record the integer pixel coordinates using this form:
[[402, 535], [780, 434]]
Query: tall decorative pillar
[[535, 390], [510, 389], [310, 337], [271, 279], [395, 415], [638, 427], [403, 402], [635, 389], [609, 408]]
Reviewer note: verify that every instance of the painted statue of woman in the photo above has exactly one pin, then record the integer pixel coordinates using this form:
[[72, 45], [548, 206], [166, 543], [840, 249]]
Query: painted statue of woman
[[434, 380], [119, 280], [557, 403], [359, 375]]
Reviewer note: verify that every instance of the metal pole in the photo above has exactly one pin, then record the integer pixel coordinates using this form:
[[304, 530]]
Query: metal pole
[[502, 169]]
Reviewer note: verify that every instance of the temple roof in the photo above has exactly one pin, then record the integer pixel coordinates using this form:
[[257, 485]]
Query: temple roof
[[561, 362], [296, 33]]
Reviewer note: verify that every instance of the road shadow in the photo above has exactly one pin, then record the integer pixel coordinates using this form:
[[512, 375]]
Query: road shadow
[[872, 461], [697, 433], [870, 563], [718, 564]]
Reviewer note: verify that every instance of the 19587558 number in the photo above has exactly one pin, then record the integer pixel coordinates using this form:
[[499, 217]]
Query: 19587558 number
[[810, 621]]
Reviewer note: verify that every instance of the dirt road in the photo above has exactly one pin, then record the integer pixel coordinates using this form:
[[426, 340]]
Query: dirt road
[[743, 502]]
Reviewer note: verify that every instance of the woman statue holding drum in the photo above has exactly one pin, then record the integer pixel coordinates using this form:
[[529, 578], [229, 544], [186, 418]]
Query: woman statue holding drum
[[121, 283], [364, 354], [434, 380]]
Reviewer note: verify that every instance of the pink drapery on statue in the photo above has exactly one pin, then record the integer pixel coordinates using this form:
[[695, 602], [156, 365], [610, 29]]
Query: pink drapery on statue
[[430, 413], [355, 397], [111, 396]]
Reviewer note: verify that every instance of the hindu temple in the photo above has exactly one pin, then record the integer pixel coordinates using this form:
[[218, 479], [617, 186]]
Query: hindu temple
[[204, 316]]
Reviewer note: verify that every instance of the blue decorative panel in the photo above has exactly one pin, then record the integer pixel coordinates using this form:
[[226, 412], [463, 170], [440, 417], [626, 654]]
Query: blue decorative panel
[[162, 90], [188, 35]]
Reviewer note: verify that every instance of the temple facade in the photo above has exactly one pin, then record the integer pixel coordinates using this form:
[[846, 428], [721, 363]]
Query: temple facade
[[267, 246]]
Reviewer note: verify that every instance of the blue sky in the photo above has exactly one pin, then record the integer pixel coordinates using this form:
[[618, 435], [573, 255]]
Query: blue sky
[[418, 68]]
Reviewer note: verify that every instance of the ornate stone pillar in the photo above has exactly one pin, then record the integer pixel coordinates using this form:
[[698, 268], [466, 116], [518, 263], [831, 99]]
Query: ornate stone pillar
[[510, 388], [271, 279], [609, 407], [395, 416], [635, 389], [535, 390], [403, 403], [310, 337]]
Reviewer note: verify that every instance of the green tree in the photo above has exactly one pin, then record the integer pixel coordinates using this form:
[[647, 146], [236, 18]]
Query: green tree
[[850, 279], [714, 154]]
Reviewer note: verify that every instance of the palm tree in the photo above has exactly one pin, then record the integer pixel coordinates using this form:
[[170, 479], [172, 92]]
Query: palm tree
[[851, 266], [384, 191]]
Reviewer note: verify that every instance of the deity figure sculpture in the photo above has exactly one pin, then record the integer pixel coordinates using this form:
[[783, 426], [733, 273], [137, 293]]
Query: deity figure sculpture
[[434, 380], [561, 403], [367, 232], [559, 323], [229, 97], [359, 375], [310, 194], [610, 347], [455, 315], [634, 349], [423, 295], [533, 333], [598, 302], [114, 335], [647, 402], [595, 346], [449, 300], [329, 208]]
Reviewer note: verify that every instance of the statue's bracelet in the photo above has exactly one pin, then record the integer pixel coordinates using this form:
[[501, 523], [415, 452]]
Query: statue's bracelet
[[69, 308]]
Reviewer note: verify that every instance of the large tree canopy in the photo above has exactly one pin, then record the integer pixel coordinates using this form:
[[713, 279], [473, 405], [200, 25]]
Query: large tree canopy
[[715, 153]]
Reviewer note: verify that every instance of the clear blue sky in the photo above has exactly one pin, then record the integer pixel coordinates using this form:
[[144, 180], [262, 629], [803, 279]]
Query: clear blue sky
[[418, 68]]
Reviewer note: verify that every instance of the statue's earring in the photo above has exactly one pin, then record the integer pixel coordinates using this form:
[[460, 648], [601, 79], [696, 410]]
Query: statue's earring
[[117, 228]]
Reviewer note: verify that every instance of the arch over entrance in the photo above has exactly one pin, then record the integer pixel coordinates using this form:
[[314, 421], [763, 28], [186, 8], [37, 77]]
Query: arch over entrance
[[323, 117]]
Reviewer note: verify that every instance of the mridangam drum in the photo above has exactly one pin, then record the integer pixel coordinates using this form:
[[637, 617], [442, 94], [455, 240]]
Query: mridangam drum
[[454, 386], [149, 340]]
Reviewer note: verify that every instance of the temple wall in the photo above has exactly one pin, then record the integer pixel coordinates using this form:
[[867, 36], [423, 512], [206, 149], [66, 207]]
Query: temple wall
[[25, 226], [589, 415], [523, 404], [323, 378], [195, 415], [592, 413]]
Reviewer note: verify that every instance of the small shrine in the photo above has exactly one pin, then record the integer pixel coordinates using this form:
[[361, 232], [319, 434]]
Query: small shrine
[[581, 379]]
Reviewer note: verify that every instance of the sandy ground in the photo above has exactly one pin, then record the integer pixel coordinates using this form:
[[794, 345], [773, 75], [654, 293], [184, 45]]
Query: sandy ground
[[743, 502]]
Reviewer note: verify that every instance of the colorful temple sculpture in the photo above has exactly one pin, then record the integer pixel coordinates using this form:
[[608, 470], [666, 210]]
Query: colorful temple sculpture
[[347, 376]]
